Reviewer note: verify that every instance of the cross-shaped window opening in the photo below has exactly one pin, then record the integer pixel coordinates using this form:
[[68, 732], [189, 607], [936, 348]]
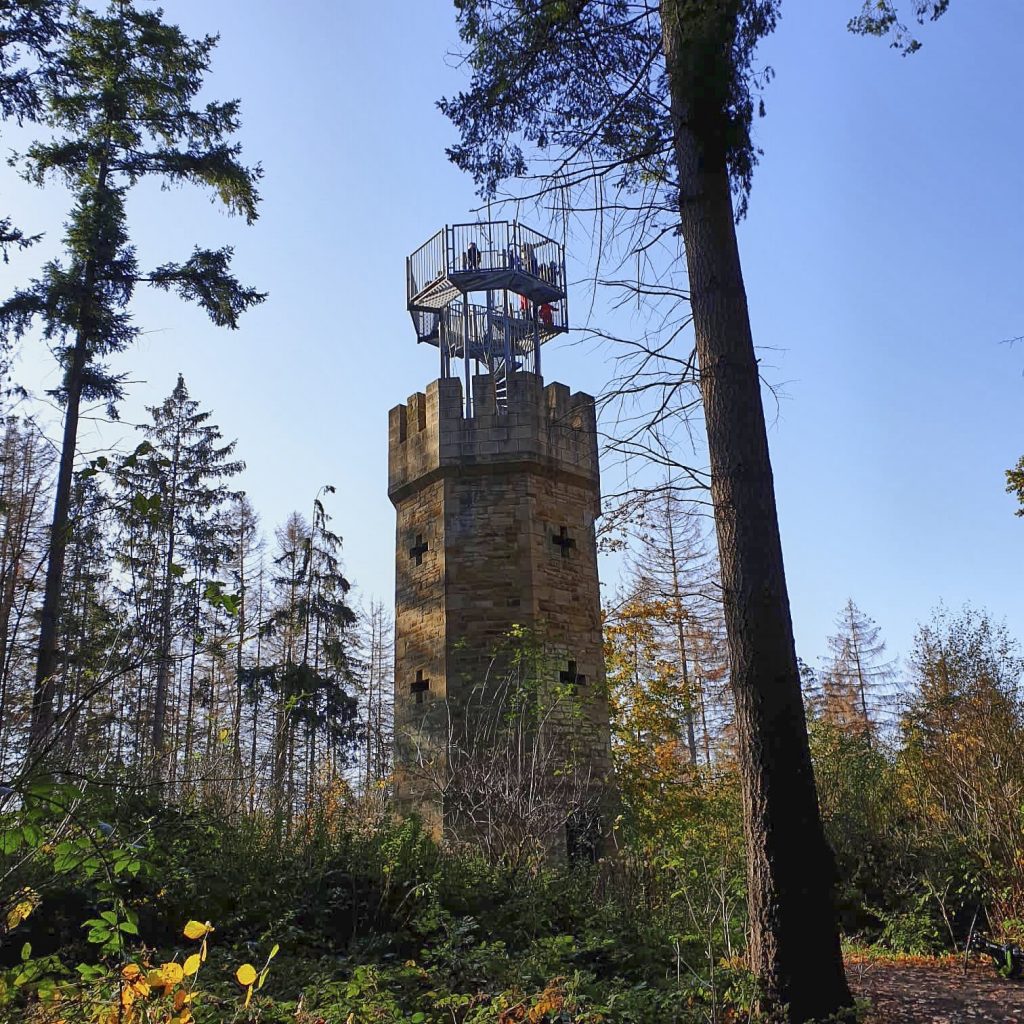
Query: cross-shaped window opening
[[419, 686], [572, 675], [418, 550], [563, 540]]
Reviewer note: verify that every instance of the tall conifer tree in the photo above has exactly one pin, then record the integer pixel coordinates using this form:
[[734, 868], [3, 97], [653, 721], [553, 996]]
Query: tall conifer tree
[[120, 98], [28, 28], [656, 101], [25, 464], [189, 476], [856, 672]]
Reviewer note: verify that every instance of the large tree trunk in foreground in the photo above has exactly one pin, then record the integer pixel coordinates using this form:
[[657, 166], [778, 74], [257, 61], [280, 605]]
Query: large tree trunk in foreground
[[794, 940]]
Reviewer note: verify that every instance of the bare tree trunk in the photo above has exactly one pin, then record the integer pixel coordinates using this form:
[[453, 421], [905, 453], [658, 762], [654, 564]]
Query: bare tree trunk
[[236, 743], [46, 662], [706, 735], [257, 687], [679, 614], [794, 940], [163, 668]]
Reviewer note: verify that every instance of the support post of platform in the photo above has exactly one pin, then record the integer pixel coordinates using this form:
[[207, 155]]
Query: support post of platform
[[465, 352]]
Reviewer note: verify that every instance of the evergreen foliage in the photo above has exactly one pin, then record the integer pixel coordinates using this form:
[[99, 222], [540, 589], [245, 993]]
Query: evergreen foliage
[[212, 834], [882, 18], [1015, 484], [857, 673], [28, 30], [118, 95]]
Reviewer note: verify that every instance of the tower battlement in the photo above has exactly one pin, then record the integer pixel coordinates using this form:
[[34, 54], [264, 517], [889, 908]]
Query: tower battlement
[[549, 427]]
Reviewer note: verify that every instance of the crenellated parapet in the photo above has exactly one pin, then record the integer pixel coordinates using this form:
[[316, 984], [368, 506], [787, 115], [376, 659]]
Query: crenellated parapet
[[549, 427]]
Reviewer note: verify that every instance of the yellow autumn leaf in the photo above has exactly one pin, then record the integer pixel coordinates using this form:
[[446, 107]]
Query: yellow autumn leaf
[[248, 996], [197, 930], [191, 965], [141, 987], [181, 998], [172, 973], [130, 972], [246, 974], [18, 913]]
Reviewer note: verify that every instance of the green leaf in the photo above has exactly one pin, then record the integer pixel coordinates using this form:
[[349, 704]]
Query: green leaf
[[129, 928], [10, 841], [26, 951], [32, 834]]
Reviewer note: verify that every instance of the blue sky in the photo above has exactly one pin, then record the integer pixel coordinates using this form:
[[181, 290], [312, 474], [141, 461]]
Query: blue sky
[[882, 257]]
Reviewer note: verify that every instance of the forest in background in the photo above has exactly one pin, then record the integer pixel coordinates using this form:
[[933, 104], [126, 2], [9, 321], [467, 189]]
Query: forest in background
[[265, 803], [200, 828]]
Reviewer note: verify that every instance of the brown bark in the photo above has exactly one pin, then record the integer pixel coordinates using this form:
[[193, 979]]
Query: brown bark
[[794, 940], [46, 663]]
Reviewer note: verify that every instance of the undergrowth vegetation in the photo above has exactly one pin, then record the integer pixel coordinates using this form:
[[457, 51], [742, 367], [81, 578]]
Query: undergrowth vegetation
[[121, 906], [366, 920]]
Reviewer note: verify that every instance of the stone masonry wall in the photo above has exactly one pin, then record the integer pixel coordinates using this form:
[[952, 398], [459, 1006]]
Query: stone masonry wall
[[495, 529]]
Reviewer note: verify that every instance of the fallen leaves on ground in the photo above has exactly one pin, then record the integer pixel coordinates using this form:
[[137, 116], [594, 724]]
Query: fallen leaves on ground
[[919, 990]]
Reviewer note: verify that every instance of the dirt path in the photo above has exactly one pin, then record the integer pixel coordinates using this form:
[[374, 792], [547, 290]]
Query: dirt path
[[937, 993]]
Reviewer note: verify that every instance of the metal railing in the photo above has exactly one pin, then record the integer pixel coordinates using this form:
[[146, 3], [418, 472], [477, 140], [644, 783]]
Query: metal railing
[[490, 246], [505, 245], [426, 264], [486, 327]]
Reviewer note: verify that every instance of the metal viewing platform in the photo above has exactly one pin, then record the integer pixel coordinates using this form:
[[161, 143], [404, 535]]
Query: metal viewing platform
[[518, 278]]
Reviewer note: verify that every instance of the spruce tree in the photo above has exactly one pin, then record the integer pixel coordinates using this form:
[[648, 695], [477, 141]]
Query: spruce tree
[[856, 672], [652, 105], [677, 576], [183, 489], [25, 464], [312, 676], [28, 29], [91, 623], [119, 97], [240, 528]]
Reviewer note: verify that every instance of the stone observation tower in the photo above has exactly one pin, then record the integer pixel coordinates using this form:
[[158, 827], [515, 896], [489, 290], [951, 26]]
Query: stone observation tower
[[494, 478]]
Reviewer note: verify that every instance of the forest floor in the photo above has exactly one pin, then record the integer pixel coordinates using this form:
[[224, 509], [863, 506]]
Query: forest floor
[[926, 991]]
